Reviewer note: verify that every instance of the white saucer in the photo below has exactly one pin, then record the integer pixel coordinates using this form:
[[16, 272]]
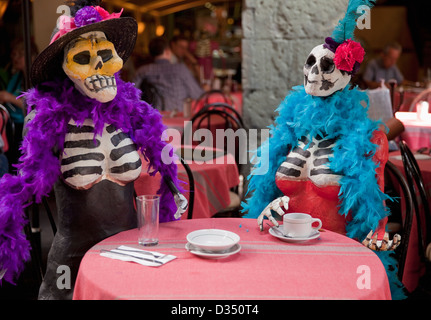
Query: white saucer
[[278, 235], [215, 254]]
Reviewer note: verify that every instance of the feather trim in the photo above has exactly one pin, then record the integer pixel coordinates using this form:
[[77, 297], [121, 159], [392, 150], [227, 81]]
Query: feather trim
[[346, 27], [55, 104]]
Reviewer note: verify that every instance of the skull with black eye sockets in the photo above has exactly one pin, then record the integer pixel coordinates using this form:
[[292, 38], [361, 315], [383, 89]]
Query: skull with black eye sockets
[[321, 76], [91, 62]]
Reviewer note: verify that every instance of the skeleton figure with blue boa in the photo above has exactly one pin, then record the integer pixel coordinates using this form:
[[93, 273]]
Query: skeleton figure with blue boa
[[325, 156]]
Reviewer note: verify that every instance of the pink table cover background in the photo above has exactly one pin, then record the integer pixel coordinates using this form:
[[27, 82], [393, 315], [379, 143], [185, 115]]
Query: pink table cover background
[[417, 133], [408, 97], [265, 268], [234, 99], [414, 269], [212, 184]]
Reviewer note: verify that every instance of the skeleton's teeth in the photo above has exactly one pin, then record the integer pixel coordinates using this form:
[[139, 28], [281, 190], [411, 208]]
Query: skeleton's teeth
[[97, 82]]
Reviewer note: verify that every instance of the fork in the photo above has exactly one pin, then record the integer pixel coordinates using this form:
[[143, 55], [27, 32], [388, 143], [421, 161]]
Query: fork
[[129, 255], [143, 252]]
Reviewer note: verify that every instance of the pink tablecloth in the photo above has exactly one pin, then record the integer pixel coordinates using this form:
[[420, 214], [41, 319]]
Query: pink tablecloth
[[212, 184], [329, 267], [417, 133], [413, 268]]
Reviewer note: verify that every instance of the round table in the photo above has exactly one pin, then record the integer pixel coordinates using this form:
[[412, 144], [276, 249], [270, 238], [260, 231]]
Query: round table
[[417, 133], [330, 267], [213, 181]]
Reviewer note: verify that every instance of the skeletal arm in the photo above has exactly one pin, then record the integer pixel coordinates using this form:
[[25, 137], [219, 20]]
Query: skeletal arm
[[381, 157], [147, 133]]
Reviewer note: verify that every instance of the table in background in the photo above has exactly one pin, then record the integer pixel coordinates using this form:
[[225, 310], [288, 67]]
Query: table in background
[[413, 268], [417, 132], [213, 182], [403, 101], [329, 267]]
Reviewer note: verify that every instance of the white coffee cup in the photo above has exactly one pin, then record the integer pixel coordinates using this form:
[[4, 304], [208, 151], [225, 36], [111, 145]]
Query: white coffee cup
[[300, 225]]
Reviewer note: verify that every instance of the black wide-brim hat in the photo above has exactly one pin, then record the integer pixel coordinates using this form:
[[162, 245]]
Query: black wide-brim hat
[[122, 32]]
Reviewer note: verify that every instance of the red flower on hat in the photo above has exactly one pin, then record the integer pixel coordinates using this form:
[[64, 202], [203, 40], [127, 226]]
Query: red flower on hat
[[347, 54]]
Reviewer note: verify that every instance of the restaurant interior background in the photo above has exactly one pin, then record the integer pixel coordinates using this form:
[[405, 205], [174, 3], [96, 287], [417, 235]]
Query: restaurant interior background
[[243, 33], [237, 28]]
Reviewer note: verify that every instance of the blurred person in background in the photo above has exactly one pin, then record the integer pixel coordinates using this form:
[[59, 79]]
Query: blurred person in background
[[173, 81], [11, 87], [180, 54], [384, 68]]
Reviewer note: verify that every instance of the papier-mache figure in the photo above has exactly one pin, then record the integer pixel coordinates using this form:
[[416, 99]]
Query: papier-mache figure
[[84, 131], [325, 157]]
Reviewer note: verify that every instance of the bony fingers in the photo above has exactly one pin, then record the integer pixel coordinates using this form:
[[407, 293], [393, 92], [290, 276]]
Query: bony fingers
[[367, 240], [385, 242], [279, 211], [396, 241], [285, 202], [373, 244], [260, 222], [274, 222]]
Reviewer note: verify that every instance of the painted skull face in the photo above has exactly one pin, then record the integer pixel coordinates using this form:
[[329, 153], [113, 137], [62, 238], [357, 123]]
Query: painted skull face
[[91, 61], [321, 76]]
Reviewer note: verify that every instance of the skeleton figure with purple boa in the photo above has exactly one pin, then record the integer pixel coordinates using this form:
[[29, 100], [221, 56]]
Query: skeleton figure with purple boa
[[84, 130]]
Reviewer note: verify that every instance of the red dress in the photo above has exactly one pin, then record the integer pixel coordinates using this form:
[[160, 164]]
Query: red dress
[[322, 201]]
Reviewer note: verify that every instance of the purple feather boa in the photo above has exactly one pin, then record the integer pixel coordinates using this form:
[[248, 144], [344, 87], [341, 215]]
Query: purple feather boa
[[56, 103]]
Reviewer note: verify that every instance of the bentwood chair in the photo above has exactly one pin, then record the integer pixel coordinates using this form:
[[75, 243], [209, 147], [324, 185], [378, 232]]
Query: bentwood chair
[[191, 188], [421, 205], [391, 171], [203, 120], [223, 107]]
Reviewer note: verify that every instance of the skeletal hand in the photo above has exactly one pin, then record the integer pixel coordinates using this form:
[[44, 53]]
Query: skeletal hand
[[276, 205], [181, 203], [2, 273], [384, 245]]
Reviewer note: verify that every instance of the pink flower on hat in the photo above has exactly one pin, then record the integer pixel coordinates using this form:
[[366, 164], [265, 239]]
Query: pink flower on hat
[[84, 16], [348, 54], [106, 15]]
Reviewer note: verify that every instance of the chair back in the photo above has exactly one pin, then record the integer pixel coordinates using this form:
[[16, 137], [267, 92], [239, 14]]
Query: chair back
[[401, 251], [415, 181], [191, 188], [224, 107], [152, 95], [204, 120]]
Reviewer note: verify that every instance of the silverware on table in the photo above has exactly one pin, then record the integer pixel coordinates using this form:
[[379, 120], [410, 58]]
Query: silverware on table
[[130, 255], [142, 252]]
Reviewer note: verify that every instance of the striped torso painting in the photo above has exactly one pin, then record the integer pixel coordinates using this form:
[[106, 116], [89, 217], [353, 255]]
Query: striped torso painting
[[310, 161], [88, 159]]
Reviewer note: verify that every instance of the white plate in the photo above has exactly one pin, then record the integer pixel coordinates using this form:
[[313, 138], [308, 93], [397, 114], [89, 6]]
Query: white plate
[[278, 235], [418, 156], [215, 254], [213, 239]]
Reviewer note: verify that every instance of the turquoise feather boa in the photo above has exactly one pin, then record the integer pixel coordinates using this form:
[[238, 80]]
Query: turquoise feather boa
[[342, 115]]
